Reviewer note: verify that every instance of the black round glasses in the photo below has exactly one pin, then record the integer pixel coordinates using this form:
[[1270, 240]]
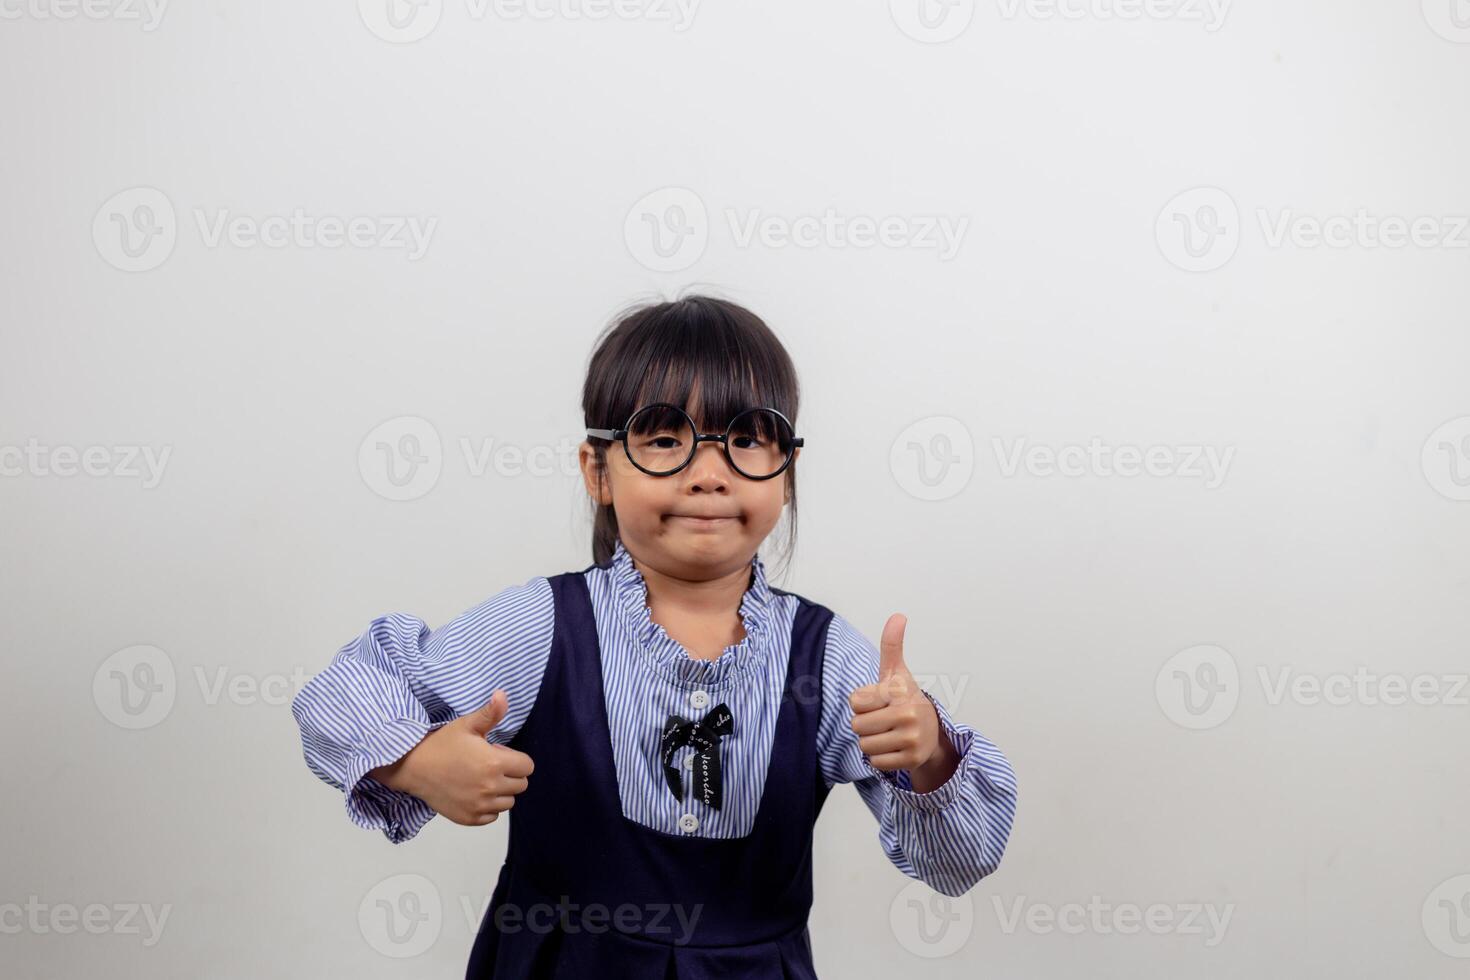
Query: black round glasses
[[660, 439]]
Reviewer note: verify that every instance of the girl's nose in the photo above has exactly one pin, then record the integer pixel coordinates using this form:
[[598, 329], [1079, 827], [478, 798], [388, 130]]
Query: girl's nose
[[709, 469]]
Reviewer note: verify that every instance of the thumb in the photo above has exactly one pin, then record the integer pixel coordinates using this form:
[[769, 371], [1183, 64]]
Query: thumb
[[483, 719], [890, 660]]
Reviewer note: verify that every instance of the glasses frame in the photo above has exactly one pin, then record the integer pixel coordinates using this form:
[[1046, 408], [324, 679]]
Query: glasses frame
[[621, 435]]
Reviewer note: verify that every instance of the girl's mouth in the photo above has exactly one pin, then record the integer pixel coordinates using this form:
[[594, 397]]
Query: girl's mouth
[[703, 522]]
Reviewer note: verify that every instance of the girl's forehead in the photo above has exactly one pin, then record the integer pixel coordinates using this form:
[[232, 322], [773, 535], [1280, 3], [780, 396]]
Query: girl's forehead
[[693, 405]]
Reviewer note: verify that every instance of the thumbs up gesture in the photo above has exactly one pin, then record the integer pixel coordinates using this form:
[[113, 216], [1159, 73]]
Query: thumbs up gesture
[[459, 774], [896, 724]]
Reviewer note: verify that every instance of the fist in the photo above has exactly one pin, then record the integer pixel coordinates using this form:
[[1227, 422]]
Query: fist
[[458, 773], [896, 725]]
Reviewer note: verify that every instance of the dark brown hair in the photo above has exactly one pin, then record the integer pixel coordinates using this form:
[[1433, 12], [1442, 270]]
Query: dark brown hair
[[660, 352]]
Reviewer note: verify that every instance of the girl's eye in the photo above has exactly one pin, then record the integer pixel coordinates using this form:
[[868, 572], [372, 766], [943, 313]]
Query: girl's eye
[[746, 442], [664, 442]]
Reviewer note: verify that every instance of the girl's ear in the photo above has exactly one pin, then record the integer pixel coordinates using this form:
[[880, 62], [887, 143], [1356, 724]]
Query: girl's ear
[[594, 475]]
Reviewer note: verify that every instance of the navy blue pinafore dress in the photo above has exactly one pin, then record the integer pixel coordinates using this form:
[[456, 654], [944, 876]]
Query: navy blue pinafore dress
[[573, 853]]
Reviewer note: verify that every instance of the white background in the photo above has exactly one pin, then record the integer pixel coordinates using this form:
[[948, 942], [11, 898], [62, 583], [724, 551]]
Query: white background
[[1053, 606]]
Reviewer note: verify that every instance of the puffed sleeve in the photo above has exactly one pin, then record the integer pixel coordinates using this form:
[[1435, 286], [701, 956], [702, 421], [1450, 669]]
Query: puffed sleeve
[[388, 688], [950, 837]]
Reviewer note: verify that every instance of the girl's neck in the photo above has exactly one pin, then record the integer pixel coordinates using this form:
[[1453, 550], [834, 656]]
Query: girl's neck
[[703, 616]]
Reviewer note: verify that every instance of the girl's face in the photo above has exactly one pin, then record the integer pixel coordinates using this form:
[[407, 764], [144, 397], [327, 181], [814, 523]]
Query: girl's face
[[658, 515]]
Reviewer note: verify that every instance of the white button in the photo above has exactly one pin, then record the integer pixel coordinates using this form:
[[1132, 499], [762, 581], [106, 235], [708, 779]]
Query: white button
[[689, 823], [689, 761], [699, 699]]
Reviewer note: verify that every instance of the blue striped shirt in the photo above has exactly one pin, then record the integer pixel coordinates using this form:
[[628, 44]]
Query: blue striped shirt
[[400, 679]]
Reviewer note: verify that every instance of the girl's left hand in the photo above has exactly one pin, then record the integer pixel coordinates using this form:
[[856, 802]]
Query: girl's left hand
[[896, 724]]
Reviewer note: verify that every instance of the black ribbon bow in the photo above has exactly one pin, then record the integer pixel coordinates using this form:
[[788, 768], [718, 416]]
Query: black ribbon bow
[[705, 737]]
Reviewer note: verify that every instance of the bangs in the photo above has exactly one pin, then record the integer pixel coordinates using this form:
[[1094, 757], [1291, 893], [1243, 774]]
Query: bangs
[[710, 358]]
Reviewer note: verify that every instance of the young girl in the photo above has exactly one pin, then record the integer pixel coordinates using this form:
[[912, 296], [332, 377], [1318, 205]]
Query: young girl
[[665, 723]]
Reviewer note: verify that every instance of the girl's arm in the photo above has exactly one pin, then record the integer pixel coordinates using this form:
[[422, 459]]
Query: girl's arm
[[388, 688], [949, 837]]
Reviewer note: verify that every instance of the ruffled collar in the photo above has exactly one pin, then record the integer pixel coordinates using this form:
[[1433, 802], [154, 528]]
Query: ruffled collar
[[664, 653]]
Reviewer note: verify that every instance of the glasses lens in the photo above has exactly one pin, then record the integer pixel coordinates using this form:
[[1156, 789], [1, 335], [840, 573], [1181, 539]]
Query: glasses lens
[[760, 442], [660, 438]]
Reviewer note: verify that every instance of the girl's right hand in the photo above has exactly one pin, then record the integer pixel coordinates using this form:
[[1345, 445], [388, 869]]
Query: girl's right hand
[[459, 774]]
